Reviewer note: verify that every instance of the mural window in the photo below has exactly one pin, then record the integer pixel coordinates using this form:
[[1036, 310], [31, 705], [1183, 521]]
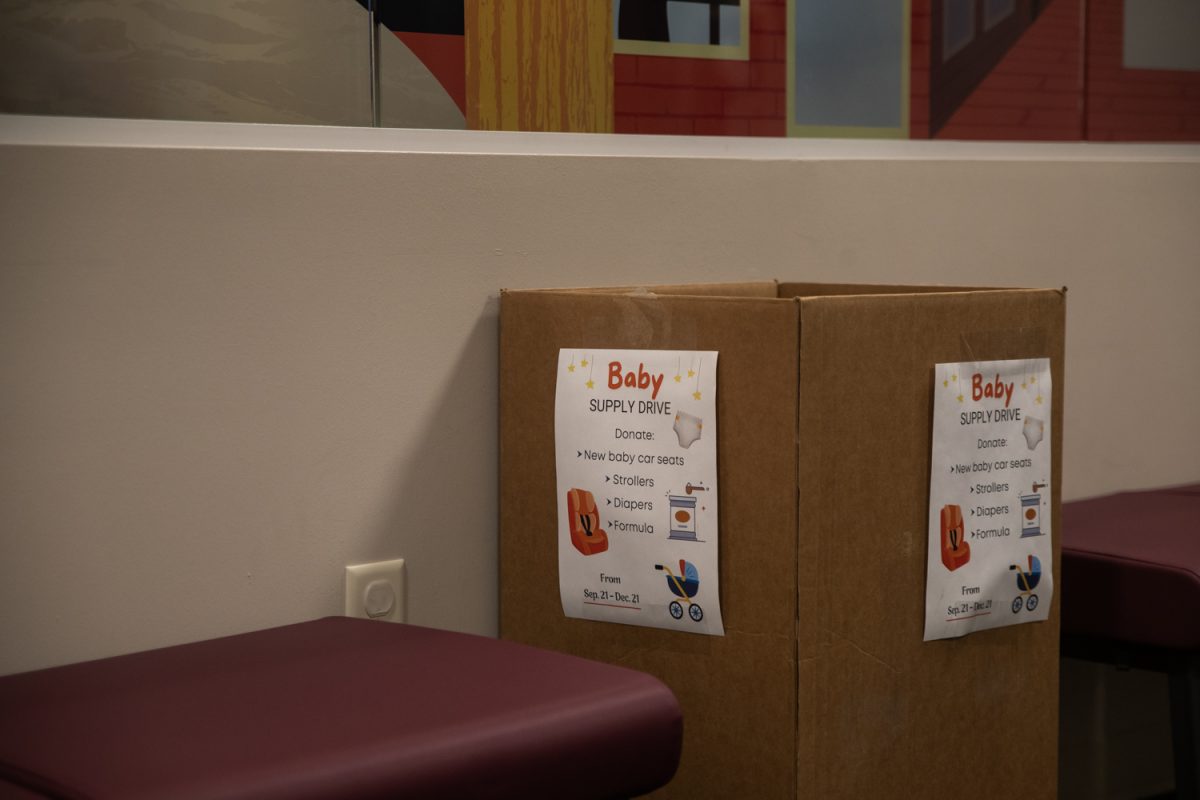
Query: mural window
[[996, 11], [958, 27], [688, 28], [1161, 34], [848, 66]]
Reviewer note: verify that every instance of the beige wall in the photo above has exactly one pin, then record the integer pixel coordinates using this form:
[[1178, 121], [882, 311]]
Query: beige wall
[[236, 358]]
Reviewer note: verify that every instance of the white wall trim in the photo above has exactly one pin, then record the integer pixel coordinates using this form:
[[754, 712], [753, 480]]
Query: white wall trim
[[125, 133]]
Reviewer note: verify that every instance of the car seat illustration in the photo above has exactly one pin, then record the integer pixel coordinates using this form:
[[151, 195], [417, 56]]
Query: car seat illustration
[[584, 521], [955, 550]]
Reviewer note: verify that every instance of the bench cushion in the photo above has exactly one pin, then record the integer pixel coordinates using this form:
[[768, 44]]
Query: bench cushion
[[1131, 568], [339, 708]]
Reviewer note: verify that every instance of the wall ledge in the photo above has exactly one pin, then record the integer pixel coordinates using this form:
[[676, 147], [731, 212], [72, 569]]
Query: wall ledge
[[19, 130]]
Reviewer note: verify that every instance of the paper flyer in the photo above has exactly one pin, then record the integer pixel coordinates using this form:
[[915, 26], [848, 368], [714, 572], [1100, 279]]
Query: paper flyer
[[990, 552], [636, 446]]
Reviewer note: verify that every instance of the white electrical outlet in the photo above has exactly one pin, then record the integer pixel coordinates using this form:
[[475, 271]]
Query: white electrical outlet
[[376, 591]]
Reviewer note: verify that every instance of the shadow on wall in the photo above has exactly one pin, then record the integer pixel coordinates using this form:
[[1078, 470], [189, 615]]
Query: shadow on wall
[[444, 514]]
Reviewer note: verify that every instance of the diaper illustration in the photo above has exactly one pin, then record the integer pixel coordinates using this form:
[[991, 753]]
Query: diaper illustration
[[584, 521], [1032, 430], [687, 428], [955, 550]]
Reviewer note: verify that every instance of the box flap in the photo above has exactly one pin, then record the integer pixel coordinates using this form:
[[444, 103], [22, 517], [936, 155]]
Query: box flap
[[827, 289], [739, 289]]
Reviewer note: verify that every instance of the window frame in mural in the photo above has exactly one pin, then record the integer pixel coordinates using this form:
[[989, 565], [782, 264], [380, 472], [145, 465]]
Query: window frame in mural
[[993, 17], [1163, 36], [954, 75], [898, 131], [647, 47]]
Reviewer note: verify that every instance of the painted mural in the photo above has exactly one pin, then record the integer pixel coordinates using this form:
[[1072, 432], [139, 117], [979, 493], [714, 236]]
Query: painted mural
[[1044, 70]]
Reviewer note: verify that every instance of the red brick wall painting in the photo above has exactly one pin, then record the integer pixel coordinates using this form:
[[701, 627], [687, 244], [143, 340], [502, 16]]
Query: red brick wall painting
[[1007, 70], [920, 29], [1035, 90], [737, 93], [990, 69], [1127, 103]]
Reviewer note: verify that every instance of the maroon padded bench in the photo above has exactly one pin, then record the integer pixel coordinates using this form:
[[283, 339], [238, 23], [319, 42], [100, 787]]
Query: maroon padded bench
[[1131, 597], [337, 708]]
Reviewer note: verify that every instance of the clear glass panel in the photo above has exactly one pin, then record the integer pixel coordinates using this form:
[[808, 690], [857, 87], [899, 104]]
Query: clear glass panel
[[422, 64]]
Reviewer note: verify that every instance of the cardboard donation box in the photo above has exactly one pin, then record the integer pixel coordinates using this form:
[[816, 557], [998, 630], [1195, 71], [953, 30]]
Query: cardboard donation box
[[820, 524]]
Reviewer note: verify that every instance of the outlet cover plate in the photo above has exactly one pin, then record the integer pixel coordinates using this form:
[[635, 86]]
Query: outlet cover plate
[[376, 591]]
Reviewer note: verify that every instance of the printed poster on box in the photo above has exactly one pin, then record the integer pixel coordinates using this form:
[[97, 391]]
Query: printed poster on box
[[636, 450], [990, 542]]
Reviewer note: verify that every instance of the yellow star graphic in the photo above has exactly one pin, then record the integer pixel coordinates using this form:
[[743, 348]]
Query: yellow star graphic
[[570, 367], [945, 383], [678, 378], [696, 394], [583, 363], [1022, 386], [591, 384], [953, 377], [960, 398], [691, 373], [1038, 399]]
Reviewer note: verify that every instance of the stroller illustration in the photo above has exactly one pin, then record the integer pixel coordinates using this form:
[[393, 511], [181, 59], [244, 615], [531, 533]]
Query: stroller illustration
[[1027, 582], [684, 585]]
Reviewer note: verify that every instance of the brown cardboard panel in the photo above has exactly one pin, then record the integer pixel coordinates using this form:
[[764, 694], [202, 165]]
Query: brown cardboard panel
[[879, 708], [735, 689], [822, 686]]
